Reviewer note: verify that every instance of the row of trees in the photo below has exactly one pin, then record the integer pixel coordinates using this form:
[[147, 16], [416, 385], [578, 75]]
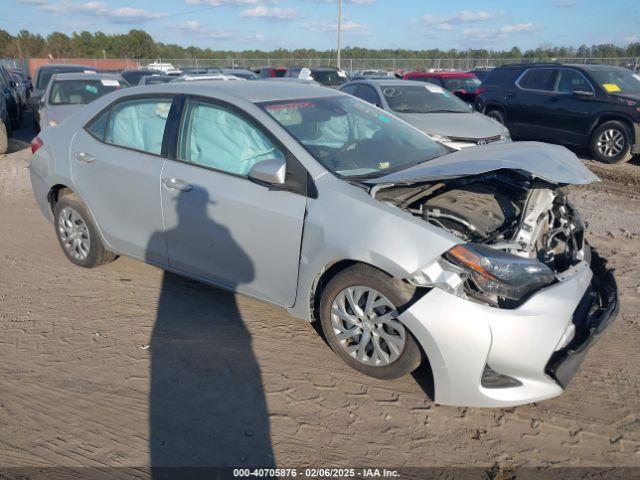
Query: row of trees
[[139, 44]]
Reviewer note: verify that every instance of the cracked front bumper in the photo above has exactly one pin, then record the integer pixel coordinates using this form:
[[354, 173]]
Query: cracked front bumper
[[532, 344]]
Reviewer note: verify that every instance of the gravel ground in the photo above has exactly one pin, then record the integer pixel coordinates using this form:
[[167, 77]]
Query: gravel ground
[[124, 365]]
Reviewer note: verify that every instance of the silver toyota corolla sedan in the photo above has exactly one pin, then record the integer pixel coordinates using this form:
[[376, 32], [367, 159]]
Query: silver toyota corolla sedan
[[472, 264], [432, 109]]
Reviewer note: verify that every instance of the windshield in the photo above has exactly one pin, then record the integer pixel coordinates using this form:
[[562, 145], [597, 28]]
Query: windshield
[[352, 138], [470, 84], [617, 80], [81, 92], [329, 77], [423, 99]]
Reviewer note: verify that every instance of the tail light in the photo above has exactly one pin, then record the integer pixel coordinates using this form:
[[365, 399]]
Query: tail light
[[480, 90], [36, 143]]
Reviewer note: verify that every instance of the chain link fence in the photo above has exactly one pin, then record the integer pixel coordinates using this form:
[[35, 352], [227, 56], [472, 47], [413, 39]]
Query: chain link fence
[[349, 64], [355, 64]]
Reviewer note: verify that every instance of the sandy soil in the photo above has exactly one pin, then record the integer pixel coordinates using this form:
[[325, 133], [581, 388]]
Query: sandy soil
[[124, 365]]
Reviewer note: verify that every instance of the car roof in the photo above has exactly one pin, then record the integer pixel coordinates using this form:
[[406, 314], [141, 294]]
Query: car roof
[[64, 66], [441, 74], [87, 76], [391, 82], [254, 91]]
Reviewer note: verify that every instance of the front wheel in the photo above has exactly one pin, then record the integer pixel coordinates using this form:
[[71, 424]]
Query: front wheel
[[611, 143], [78, 235], [358, 313]]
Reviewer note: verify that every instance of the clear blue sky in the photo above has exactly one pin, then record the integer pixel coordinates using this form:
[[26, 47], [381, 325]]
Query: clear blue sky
[[268, 24]]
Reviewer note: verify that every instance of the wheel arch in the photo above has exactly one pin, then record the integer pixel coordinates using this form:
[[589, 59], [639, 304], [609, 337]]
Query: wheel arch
[[618, 117], [59, 190]]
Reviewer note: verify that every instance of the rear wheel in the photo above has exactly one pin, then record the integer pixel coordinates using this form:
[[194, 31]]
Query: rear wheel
[[611, 143], [4, 138], [78, 235], [358, 312], [497, 115]]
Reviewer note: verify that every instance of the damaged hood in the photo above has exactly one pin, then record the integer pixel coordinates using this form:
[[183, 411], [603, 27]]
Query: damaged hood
[[472, 125], [552, 163]]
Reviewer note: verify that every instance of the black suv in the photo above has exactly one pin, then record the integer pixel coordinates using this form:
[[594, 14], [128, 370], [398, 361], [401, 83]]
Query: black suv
[[595, 106]]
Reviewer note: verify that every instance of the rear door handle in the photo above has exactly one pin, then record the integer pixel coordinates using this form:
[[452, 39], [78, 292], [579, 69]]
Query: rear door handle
[[177, 184], [85, 157]]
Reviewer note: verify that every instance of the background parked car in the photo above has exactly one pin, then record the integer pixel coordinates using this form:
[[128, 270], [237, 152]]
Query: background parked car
[[481, 72], [463, 85], [24, 86], [43, 75], [270, 72], [594, 106], [240, 73], [327, 76], [156, 79], [69, 92], [166, 68], [206, 76], [10, 91], [432, 109], [133, 76]]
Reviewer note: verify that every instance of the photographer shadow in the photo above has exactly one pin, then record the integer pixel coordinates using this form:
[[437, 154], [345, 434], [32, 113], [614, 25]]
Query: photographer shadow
[[207, 406]]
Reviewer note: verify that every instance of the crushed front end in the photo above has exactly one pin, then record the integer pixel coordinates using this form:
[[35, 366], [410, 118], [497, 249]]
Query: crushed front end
[[510, 311]]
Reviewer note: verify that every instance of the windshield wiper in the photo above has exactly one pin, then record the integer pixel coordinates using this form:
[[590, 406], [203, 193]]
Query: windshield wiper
[[448, 111]]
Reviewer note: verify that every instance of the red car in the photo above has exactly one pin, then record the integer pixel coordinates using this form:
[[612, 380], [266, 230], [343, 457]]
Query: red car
[[463, 85], [270, 72]]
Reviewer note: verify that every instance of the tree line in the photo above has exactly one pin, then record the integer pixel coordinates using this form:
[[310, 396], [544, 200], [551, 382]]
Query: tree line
[[138, 44]]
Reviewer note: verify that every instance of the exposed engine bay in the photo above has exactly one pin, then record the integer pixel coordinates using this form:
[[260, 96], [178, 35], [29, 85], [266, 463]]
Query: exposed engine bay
[[505, 210]]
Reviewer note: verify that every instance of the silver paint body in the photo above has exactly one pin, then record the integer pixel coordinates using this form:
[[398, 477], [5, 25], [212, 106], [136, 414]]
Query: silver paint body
[[291, 239]]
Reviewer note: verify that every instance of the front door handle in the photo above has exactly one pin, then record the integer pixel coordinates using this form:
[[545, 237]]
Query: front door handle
[[85, 157], [177, 184]]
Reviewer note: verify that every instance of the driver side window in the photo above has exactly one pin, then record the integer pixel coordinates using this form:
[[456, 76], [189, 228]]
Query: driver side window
[[214, 137]]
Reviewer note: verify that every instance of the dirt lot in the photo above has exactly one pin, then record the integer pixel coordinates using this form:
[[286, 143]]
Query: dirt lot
[[125, 365]]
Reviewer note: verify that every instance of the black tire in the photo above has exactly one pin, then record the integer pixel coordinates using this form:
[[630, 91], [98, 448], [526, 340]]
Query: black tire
[[96, 254], [4, 138], [497, 115], [620, 131], [397, 292]]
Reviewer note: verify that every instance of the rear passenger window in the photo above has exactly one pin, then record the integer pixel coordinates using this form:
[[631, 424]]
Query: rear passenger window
[[540, 79], [214, 137], [138, 124], [98, 126]]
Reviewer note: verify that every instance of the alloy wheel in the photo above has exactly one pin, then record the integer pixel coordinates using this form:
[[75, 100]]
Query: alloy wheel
[[74, 233], [610, 143], [365, 325]]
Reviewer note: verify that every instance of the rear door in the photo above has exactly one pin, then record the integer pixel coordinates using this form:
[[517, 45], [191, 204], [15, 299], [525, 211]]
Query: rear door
[[220, 225], [116, 166], [530, 105]]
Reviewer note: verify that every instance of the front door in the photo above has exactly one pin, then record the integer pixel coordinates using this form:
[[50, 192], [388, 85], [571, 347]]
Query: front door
[[220, 225]]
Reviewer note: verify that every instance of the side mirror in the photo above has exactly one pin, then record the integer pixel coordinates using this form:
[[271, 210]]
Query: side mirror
[[583, 93], [272, 172]]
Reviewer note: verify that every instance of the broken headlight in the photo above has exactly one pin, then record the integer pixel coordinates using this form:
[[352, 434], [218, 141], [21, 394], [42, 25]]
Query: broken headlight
[[484, 272], [494, 272]]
